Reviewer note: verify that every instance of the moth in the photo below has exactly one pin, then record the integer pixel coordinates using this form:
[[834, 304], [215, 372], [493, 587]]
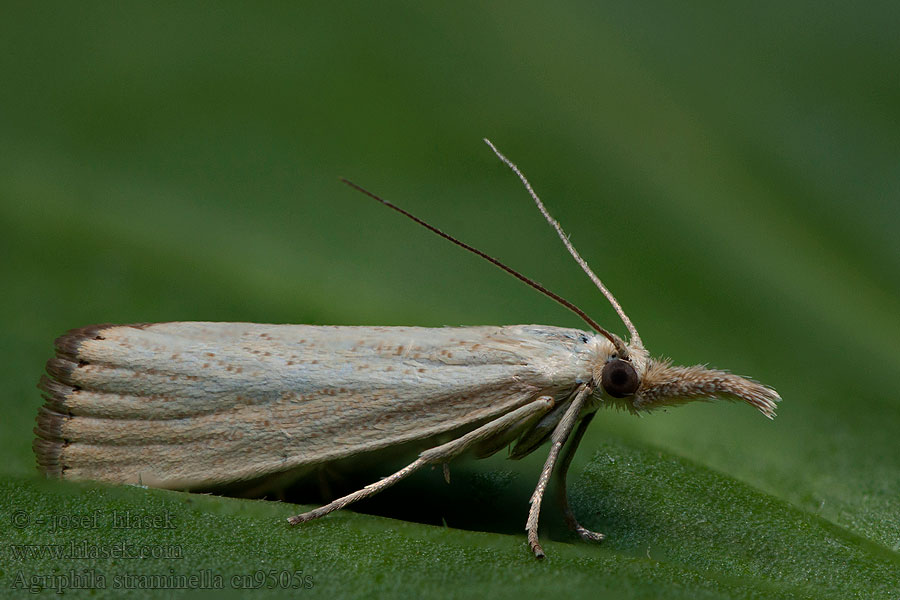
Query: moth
[[199, 405]]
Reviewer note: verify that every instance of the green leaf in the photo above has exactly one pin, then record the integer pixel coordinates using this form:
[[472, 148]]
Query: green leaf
[[730, 171]]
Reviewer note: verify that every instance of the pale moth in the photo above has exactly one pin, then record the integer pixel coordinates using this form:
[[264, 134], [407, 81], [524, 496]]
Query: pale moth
[[196, 405]]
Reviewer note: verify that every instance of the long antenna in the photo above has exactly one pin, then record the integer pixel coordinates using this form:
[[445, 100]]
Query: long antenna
[[617, 342], [635, 338]]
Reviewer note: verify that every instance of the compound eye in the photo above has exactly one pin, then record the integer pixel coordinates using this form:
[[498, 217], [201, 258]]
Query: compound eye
[[619, 379]]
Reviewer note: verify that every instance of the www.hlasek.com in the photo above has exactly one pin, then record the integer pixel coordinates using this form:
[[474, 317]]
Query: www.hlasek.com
[[204, 579], [83, 549]]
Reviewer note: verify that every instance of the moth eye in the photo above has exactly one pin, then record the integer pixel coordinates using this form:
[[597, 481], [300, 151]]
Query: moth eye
[[619, 379]]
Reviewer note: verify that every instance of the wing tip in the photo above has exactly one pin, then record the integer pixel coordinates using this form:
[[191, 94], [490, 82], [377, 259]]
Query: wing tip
[[67, 344], [49, 443], [58, 386]]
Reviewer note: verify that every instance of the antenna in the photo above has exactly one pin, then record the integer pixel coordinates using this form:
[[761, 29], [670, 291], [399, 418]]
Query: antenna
[[617, 342], [635, 337]]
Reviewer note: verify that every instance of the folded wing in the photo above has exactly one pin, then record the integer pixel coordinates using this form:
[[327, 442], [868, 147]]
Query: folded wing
[[193, 405]]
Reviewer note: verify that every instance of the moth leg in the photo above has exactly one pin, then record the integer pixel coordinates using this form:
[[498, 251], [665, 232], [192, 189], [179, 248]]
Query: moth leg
[[562, 492], [557, 440], [442, 453]]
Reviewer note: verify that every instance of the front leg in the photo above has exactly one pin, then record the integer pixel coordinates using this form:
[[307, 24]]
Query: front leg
[[557, 440]]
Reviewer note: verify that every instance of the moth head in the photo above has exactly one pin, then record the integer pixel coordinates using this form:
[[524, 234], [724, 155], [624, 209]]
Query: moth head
[[619, 373], [638, 383]]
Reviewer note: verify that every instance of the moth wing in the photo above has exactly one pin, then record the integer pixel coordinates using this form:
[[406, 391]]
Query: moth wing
[[196, 405]]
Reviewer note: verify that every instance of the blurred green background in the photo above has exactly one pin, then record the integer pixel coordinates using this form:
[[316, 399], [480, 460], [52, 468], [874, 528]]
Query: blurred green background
[[731, 170]]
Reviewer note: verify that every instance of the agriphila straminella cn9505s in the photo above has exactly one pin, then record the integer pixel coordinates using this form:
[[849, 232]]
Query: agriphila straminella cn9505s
[[199, 406]]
